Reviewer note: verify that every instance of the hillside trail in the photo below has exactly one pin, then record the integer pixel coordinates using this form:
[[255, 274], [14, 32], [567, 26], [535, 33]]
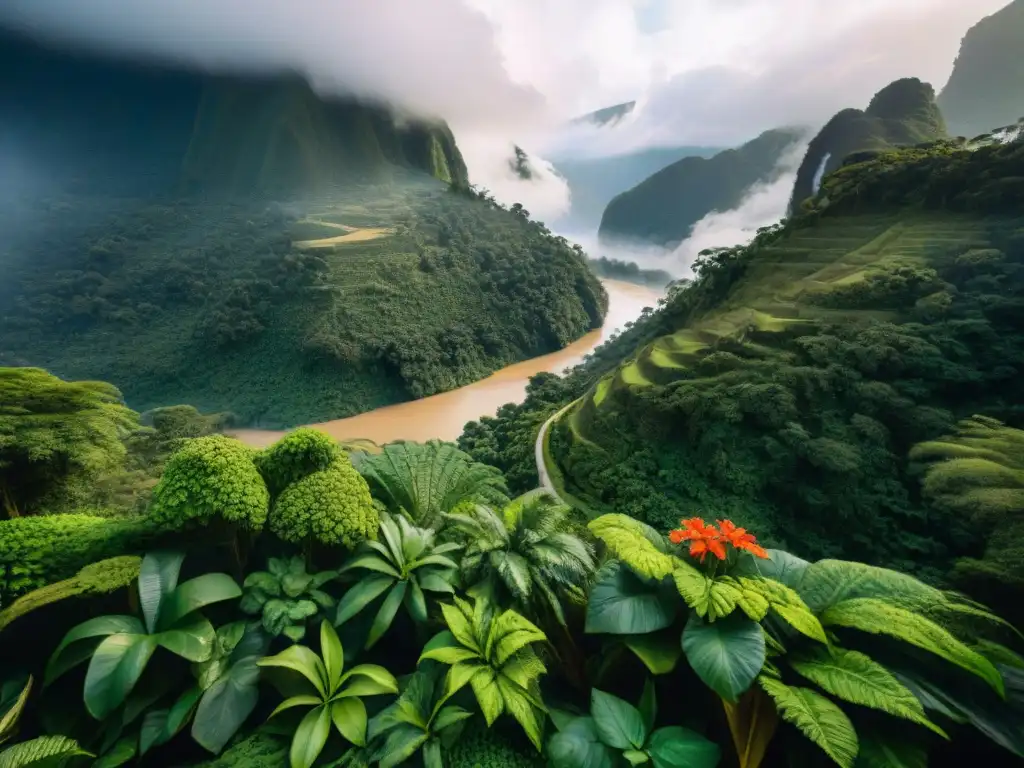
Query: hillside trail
[[352, 235]]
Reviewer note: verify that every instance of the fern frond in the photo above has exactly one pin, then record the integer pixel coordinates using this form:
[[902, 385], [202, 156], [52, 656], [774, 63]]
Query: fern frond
[[881, 618], [817, 718], [854, 677]]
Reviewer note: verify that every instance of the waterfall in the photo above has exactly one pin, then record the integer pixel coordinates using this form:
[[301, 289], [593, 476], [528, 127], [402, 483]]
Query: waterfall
[[820, 173]]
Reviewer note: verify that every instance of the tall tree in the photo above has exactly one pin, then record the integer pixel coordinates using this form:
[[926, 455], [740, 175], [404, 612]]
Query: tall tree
[[56, 437]]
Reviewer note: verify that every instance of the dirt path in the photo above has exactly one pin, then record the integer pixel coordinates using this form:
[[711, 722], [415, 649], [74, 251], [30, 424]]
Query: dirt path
[[351, 235]]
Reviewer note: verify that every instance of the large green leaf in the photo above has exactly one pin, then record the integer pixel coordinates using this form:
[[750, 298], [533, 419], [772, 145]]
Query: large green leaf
[[333, 655], [361, 595], [727, 654], [780, 566], [122, 753], [68, 656], [648, 705], [854, 677], [116, 666], [157, 578], [386, 614], [678, 747], [621, 603], [578, 745], [310, 737], [659, 651], [349, 717], [195, 594], [226, 705], [619, 724], [401, 744], [817, 718], [878, 617], [634, 543], [42, 752], [192, 639], [301, 659]]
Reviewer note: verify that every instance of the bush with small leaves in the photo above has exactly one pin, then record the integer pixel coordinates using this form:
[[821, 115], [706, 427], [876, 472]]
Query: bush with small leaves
[[331, 507], [211, 477], [286, 596], [295, 456]]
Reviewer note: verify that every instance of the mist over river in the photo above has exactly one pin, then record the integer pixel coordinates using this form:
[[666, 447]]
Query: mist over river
[[443, 416]]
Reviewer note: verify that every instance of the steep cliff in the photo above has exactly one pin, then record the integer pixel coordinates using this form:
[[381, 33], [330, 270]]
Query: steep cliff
[[986, 89], [902, 113]]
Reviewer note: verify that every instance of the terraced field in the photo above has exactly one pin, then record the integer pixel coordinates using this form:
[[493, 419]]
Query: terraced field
[[778, 290]]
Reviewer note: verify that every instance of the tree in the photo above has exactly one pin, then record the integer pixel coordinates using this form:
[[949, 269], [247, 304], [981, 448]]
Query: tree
[[527, 556], [56, 437]]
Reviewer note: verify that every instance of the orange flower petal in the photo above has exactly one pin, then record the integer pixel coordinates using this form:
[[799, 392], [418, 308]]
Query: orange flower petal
[[676, 536]]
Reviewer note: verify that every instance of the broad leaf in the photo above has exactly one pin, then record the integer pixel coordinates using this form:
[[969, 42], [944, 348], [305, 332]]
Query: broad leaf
[[42, 752], [879, 617], [678, 747], [195, 594], [648, 706], [854, 677], [817, 718], [333, 655], [361, 595], [122, 753], [157, 579], [727, 654], [386, 614], [12, 704], [116, 666], [634, 543], [401, 744], [301, 659], [68, 656], [578, 745], [192, 639], [619, 724], [153, 730], [310, 737], [349, 717], [415, 602], [226, 705], [487, 693], [659, 651], [780, 566], [620, 603]]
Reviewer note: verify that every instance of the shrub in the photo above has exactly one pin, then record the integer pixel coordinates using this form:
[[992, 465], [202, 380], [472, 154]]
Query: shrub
[[296, 455], [211, 477], [332, 506]]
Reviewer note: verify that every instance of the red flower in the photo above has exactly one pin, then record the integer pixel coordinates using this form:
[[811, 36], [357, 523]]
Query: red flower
[[703, 546], [703, 538], [740, 539]]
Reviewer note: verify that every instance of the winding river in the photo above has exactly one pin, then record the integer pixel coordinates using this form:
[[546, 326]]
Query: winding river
[[443, 416]]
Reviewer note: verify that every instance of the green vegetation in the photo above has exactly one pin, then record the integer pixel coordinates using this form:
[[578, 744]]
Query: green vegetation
[[663, 208], [787, 386], [902, 113], [508, 631], [150, 294], [630, 272], [986, 89]]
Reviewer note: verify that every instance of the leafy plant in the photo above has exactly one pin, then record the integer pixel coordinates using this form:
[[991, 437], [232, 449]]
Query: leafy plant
[[616, 731], [406, 563], [333, 694], [42, 752], [425, 481], [14, 694], [527, 556], [299, 453], [119, 648], [419, 721], [493, 654], [286, 597]]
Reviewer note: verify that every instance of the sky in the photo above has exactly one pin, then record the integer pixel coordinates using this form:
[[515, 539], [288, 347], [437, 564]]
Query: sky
[[704, 72]]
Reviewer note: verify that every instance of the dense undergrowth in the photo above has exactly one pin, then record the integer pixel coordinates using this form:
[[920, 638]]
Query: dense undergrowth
[[312, 605], [225, 305]]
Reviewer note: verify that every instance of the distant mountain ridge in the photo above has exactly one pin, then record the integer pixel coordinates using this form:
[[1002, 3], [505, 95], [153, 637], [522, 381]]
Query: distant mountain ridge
[[663, 208], [986, 89], [903, 113], [606, 115], [98, 119]]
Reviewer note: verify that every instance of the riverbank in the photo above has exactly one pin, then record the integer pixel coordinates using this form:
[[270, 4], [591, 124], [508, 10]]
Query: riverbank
[[443, 416]]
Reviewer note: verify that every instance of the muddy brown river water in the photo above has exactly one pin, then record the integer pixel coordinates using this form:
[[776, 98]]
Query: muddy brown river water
[[443, 416]]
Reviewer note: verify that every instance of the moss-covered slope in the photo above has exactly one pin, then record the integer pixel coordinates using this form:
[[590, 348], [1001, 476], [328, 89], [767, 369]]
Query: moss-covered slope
[[902, 113], [787, 385], [986, 89], [663, 208]]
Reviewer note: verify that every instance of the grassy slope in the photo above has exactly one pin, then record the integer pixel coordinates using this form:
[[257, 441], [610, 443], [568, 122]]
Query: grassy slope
[[781, 295], [211, 304]]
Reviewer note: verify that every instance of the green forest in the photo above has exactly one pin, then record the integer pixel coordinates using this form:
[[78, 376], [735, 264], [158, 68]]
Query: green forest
[[417, 289], [313, 603]]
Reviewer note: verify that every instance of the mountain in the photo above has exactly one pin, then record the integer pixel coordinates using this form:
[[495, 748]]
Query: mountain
[[244, 244], [986, 89], [593, 182], [85, 116], [902, 113], [786, 386], [663, 208], [607, 115]]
